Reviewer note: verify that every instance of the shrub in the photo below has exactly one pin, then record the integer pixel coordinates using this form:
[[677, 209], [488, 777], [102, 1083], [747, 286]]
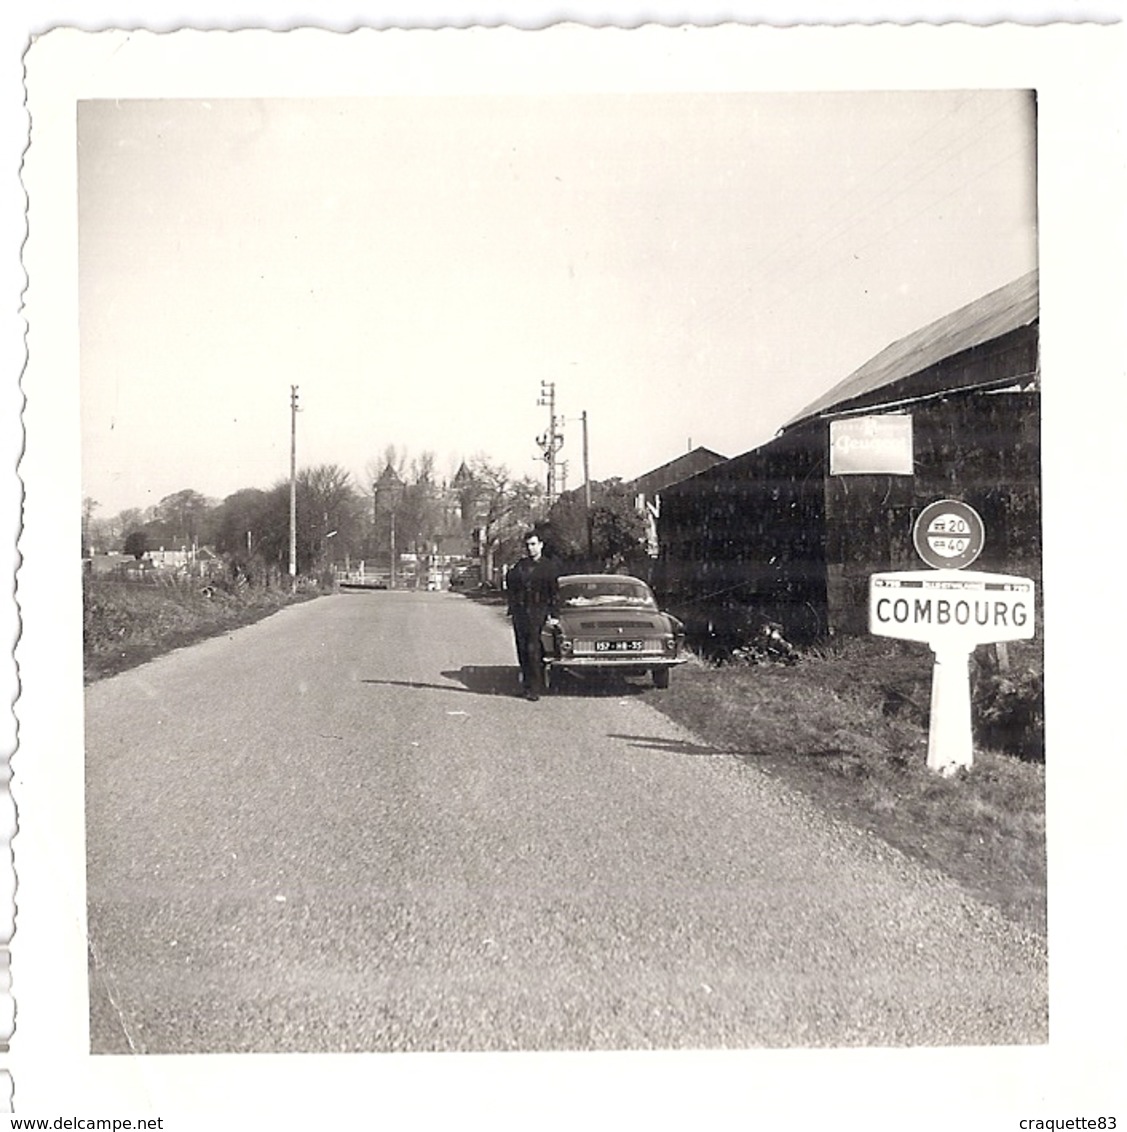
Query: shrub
[[127, 622], [1009, 712]]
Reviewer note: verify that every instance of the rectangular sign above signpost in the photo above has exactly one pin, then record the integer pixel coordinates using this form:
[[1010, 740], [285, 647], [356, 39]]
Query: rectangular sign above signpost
[[875, 445]]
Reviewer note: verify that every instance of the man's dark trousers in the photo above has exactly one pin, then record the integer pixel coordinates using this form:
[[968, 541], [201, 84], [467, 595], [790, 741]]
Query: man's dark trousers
[[533, 588], [528, 620]]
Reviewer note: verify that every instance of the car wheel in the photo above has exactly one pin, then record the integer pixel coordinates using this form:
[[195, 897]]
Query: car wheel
[[661, 677]]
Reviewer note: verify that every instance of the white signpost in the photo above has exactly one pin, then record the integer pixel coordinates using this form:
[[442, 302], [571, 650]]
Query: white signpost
[[953, 610]]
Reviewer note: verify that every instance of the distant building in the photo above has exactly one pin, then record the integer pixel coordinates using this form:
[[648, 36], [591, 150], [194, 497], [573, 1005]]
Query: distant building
[[102, 564], [464, 496], [647, 488], [196, 560], [795, 527]]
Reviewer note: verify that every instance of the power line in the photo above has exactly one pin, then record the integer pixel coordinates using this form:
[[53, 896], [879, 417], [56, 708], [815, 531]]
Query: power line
[[916, 169], [812, 240], [820, 269], [858, 189]]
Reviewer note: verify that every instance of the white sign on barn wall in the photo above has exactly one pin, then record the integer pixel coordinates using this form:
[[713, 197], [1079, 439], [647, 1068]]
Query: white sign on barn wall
[[877, 445]]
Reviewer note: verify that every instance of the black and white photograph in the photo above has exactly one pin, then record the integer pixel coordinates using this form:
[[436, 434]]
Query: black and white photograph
[[569, 530]]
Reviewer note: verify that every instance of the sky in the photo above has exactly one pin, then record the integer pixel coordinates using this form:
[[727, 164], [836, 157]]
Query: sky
[[685, 269]]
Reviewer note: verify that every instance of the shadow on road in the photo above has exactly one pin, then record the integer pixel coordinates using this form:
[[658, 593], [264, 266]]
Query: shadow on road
[[673, 746], [420, 684], [595, 685], [680, 747], [480, 679], [501, 680], [487, 679]]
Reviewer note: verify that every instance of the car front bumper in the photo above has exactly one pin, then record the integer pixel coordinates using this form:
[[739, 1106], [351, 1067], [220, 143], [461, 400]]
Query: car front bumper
[[625, 660]]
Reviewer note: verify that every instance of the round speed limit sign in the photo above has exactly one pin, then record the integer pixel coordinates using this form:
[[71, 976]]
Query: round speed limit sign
[[948, 534]]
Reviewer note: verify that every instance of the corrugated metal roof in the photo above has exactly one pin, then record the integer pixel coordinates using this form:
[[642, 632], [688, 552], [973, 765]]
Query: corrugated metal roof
[[1010, 307]]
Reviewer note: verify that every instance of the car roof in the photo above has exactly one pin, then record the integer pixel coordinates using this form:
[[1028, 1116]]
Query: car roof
[[600, 578]]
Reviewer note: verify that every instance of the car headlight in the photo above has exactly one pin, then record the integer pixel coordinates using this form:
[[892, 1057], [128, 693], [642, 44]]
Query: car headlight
[[566, 645], [670, 644]]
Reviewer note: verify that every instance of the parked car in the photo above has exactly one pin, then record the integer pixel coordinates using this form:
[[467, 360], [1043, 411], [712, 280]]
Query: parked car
[[465, 578], [612, 622]]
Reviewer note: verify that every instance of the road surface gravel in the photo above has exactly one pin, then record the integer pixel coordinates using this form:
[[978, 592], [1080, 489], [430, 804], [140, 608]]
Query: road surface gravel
[[341, 829]]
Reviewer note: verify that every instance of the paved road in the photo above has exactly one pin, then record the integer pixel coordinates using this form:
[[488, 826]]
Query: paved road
[[340, 829]]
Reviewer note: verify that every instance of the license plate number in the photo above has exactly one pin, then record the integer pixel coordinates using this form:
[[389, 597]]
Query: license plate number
[[619, 646]]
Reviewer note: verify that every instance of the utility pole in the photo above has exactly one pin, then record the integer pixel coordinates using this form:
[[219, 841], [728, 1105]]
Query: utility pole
[[391, 581], [293, 487], [551, 441], [586, 466], [587, 489]]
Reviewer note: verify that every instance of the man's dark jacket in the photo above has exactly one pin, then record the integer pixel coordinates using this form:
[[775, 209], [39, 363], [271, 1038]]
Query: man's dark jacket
[[533, 587]]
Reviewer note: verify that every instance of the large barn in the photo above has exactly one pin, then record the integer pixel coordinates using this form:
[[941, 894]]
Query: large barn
[[794, 528]]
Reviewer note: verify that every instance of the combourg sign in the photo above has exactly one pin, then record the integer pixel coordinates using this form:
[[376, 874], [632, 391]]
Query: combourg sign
[[953, 611], [959, 606]]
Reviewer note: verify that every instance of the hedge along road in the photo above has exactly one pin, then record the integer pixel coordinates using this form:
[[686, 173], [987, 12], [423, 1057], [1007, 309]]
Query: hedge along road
[[340, 829]]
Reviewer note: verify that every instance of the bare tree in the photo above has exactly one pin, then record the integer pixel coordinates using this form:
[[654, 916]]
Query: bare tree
[[183, 515], [240, 524], [393, 457], [424, 506], [607, 536], [331, 510], [129, 519], [328, 509], [503, 508]]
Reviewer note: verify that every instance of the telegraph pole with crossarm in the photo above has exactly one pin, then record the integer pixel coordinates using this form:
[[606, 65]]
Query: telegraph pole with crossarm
[[293, 486], [551, 441]]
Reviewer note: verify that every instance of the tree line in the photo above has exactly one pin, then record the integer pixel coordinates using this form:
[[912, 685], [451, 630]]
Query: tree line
[[481, 514]]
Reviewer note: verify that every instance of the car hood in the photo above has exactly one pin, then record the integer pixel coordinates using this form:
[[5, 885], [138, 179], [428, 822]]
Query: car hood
[[610, 619]]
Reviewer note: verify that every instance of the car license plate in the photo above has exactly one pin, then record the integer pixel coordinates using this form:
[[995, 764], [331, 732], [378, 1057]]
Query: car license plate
[[619, 646]]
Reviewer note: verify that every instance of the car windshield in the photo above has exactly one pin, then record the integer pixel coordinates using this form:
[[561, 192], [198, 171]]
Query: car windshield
[[606, 591]]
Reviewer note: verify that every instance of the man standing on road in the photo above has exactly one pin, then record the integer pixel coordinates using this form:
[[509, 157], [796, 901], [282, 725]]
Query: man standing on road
[[533, 590]]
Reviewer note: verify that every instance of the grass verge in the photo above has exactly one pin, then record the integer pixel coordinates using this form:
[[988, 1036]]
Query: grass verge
[[848, 728], [125, 624]]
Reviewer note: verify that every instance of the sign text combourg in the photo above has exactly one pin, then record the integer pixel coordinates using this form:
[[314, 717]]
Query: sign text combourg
[[958, 605]]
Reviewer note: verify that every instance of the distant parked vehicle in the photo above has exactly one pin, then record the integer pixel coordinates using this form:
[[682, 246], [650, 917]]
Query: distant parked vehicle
[[465, 578], [612, 622], [362, 580]]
